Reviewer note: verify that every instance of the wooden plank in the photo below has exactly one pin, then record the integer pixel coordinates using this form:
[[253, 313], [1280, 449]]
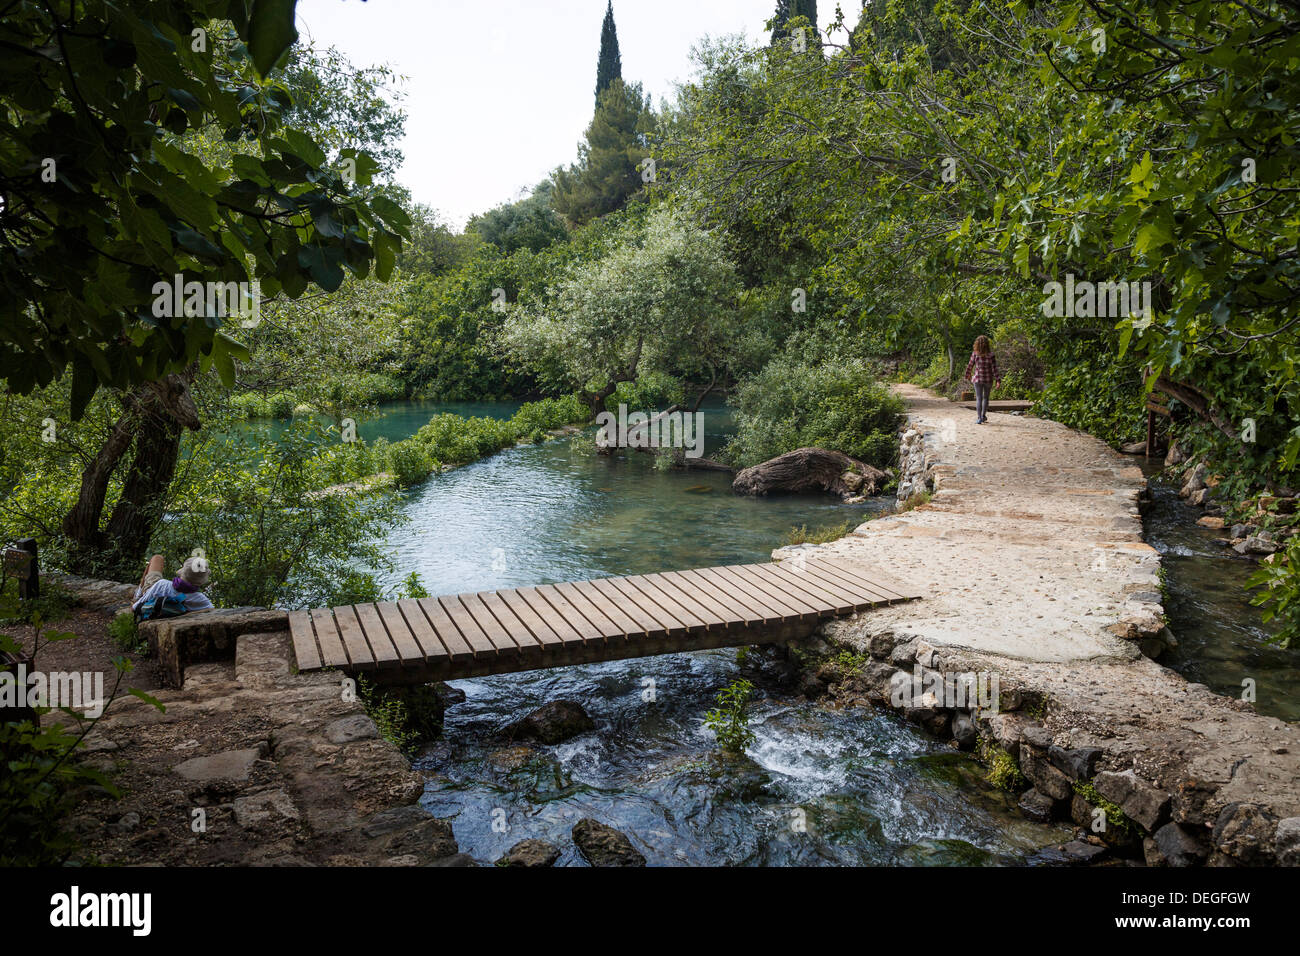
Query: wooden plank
[[688, 605], [332, 652], [647, 625], [741, 610], [486, 620], [789, 593], [848, 601], [381, 644], [796, 578], [669, 625], [468, 627], [405, 639], [872, 577], [861, 584], [304, 641], [639, 584], [589, 632], [729, 585], [554, 619], [518, 631], [792, 608], [743, 584], [431, 637], [448, 632], [537, 625], [719, 614], [861, 597], [609, 631], [354, 639], [629, 628], [734, 613]]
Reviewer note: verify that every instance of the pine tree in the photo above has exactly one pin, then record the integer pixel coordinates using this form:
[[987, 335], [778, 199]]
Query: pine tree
[[610, 65], [787, 10], [608, 169]]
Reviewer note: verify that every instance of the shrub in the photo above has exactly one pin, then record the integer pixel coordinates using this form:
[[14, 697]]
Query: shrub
[[730, 721], [281, 405], [409, 462], [798, 401], [1278, 591], [123, 630]]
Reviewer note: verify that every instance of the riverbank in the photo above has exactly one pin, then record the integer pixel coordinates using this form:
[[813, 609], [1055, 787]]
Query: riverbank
[[1031, 552]]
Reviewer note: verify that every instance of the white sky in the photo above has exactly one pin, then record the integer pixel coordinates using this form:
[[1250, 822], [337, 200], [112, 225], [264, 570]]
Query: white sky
[[499, 92]]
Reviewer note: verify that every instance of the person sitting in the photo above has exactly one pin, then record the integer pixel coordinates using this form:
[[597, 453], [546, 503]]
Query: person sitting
[[185, 590]]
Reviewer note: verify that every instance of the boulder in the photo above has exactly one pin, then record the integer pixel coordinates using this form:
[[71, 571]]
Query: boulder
[[1286, 842], [552, 723], [1174, 456], [1139, 801], [963, 730], [1037, 806], [602, 845], [1134, 448], [1045, 778], [530, 853], [1246, 833], [1077, 764], [809, 470], [1194, 482], [1175, 846], [1210, 521]]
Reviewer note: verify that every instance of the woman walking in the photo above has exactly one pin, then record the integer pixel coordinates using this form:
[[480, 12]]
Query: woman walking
[[982, 372]]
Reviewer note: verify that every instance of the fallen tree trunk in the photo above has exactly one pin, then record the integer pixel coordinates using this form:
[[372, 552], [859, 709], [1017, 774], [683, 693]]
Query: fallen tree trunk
[[807, 470]]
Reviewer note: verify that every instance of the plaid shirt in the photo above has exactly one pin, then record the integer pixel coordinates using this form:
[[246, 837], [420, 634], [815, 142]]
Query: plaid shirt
[[982, 369]]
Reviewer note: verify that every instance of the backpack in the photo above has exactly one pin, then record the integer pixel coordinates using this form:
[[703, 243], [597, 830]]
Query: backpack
[[156, 608]]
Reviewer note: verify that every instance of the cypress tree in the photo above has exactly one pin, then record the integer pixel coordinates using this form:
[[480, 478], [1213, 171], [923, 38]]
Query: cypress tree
[[610, 65], [787, 10]]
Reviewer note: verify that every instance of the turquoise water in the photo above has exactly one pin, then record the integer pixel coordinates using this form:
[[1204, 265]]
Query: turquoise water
[[819, 787]]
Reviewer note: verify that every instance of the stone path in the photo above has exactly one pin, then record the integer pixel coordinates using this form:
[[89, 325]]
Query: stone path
[[1031, 552]]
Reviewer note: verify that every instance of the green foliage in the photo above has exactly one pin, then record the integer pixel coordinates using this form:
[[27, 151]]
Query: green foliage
[[1277, 586], [1001, 768], [409, 462], [1095, 393], [730, 720], [146, 185], [1115, 818], [799, 400], [819, 535], [608, 171], [390, 714], [661, 302], [609, 65], [530, 223], [269, 521], [123, 631]]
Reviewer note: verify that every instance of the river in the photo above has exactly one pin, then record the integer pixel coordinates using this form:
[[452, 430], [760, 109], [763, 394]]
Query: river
[[818, 786]]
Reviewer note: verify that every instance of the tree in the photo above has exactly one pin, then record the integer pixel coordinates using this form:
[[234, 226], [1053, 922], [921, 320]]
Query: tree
[[609, 66], [608, 171], [666, 304], [531, 223], [787, 10], [102, 199]]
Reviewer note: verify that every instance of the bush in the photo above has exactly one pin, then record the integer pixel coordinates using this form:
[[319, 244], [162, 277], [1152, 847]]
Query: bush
[[550, 413], [730, 721], [281, 405], [1278, 582], [798, 401], [409, 462]]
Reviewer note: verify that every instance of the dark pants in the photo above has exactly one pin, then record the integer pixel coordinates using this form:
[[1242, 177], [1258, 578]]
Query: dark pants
[[982, 390]]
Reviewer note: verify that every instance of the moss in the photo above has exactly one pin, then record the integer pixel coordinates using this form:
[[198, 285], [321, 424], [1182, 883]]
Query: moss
[[1001, 769], [1115, 818]]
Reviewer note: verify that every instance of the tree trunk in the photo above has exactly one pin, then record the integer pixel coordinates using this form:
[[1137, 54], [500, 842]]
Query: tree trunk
[[152, 421], [811, 470]]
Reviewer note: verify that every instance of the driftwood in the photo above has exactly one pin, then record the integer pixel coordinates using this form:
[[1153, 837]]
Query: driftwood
[[807, 470]]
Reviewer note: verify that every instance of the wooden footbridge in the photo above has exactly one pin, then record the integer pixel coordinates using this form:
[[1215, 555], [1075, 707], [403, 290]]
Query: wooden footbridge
[[554, 625]]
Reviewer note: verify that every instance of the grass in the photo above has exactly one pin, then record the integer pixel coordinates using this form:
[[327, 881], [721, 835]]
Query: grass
[[819, 535]]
